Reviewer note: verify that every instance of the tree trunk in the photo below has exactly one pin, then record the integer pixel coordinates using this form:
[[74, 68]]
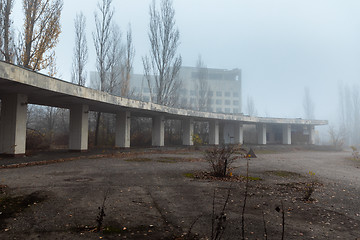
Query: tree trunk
[[97, 128]]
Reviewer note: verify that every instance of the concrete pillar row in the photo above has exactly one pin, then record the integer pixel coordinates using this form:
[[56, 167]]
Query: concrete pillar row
[[13, 124], [158, 131], [261, 133], [122, 129], [286, 133], [311, 134], [239, 133], [79, 128], [214, 132], [188, 132]]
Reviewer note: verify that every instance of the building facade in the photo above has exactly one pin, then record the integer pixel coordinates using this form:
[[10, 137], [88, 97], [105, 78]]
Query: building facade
[[220, 87], [223, 89]]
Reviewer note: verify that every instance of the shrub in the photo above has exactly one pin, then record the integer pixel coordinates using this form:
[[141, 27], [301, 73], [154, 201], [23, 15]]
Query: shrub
[[355, 153], [309, 188], [220, 159], [197, 140], [36, 140]]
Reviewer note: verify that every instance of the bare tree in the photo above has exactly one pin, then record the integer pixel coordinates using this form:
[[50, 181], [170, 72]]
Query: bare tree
[[250, 106], [308, 104], [7, 47], [202, 87], [114, 62], [162, 67], [41, 32], [101, 38], [349, 104], [80, 57], [337, 136], [128, 64]]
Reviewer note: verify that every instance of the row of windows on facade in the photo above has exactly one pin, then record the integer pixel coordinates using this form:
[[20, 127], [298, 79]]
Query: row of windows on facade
[[227, 102], [226, 110], [184, 101], [184, 92], [215, 76], [218, 102]]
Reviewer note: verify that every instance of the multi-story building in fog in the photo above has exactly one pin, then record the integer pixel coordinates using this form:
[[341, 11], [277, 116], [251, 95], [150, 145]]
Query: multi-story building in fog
[[223, 88]]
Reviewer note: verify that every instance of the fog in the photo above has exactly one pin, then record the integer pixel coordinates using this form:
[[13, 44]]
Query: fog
[[281, 46]]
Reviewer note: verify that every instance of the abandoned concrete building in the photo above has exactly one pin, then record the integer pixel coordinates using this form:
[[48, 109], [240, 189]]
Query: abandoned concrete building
[[223, 95], [20, 87]]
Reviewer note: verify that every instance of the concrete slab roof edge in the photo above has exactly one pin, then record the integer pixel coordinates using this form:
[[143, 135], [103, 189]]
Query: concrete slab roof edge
[[15, 79]]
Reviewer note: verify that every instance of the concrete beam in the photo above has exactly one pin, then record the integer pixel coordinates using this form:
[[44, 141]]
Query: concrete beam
[[122, 130], [158, 131], [286, 134], [238, 133], [188, 132], [214, 132], [79, 128], [13, 124], [261, 133]]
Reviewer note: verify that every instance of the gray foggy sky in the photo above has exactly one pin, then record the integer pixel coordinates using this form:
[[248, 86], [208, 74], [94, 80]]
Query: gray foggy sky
[[281, 46]]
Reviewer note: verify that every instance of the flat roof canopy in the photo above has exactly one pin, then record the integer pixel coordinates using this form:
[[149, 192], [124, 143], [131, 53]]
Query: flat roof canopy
[[44, 90]]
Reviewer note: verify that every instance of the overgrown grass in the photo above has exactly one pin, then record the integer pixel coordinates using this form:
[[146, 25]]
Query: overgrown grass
[[189, 175], [169, 160], [252, 178], [284, 174], [138, 160]]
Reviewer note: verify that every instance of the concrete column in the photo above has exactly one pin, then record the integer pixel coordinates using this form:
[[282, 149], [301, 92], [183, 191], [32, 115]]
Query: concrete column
[[214, 132], [311, 134], [227, 130], [286, 134], [13, 124], [79, 128], [238, 133], [158, 131], [122, 130], [188, 132], [261, 132]]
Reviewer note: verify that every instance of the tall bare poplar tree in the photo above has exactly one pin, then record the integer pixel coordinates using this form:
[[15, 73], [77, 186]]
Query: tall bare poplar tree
[[102, 43], [127, 64], [349, 100], [80, 57], [41, 32], [202, 87], [162, 66], [250, 106], [101, 37], [7, 47], [114, 62]]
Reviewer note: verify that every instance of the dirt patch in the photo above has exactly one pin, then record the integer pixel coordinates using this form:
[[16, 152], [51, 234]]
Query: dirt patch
[[12, 205], [138, 160], [155, 200], [285, 174]]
